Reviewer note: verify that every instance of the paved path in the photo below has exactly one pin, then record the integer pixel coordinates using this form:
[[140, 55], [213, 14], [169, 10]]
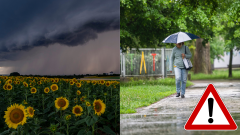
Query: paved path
[[174, 111]]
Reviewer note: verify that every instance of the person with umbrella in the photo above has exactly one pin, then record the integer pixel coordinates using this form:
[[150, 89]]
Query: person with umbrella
[[179, 52]]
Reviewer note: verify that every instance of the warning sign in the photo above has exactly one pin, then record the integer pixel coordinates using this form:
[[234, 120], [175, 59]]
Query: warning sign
[[210, 113]]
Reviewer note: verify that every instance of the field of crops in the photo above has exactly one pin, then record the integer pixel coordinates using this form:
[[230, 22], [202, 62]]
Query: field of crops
[[44, 106]]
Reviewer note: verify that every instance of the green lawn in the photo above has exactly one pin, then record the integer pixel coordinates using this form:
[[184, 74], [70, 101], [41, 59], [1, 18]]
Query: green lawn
[[135, 94], [217, 74]]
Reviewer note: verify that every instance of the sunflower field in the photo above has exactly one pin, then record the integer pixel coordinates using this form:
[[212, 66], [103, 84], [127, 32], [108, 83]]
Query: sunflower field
[[57, 106]]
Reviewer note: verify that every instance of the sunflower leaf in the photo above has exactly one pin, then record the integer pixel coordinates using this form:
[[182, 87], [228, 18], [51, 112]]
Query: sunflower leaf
[[95, 117], [108, 130], [46, 110], [80, 122], [81, 132], [88, 120], [5, 132], [89, 133], [58, 133], [51, 114]]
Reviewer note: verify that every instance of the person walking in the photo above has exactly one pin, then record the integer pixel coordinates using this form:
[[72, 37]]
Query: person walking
[[177, 56]]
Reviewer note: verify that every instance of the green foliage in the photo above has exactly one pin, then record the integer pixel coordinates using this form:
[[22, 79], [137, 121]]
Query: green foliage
[[48, 119], [216, 48], [217, 74], [146, 23], [135, 94]]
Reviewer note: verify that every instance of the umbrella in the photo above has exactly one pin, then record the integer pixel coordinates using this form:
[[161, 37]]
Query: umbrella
[[179, 37]]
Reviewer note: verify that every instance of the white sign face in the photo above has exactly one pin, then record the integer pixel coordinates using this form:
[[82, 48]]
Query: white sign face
[[217, 114], [210, 113]]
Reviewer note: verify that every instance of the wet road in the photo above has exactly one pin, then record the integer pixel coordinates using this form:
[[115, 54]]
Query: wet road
[[169, 115]]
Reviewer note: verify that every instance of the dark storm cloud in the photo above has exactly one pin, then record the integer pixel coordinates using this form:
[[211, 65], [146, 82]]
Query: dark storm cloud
[[30, 23]]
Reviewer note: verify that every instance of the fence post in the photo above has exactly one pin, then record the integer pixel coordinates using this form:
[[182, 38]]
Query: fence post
[[165, 64], [123, 64], [162, 51]]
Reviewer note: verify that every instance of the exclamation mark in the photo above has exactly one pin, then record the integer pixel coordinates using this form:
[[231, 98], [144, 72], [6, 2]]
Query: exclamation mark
[[210, 108]]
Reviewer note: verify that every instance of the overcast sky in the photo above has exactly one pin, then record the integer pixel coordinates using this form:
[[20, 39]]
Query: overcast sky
[[59, 37]]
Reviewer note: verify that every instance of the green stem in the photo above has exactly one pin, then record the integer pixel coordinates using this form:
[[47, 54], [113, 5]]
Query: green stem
[[43, 101], [67, 129], [93, 129], [18, 130], [111, 92]]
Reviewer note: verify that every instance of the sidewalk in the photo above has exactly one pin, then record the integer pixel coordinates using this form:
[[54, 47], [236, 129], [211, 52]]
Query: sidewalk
[[175, 111]]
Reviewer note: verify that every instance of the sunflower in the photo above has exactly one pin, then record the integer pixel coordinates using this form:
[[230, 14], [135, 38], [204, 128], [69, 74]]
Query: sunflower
[[15, 82], [108, 83], [5, 87], [78, 85], [94, 82], [25, 102], [33, 90], [56, 80], [30, 111], [81, 99], [52, 80], [102, 82], [9, 87], [67, 117], [71, 82], [105, 94], [88, 81], [75, 100], [39, 82], [88, 104], [9, 81], [54, 87], [53, 128], [25, 84], [61, 103], [77, 110], [78, 92], [99, 107], [75, 80], [18, 82], [15, 115], [46, 90]]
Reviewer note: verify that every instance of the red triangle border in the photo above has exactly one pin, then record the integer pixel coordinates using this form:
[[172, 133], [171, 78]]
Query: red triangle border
[[232, 125]]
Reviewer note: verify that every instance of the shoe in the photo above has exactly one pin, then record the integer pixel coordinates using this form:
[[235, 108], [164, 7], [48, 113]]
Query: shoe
[[178, 94], [182, 96]]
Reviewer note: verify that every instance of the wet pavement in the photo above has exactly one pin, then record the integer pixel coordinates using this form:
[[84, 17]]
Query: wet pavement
[[169, 115]]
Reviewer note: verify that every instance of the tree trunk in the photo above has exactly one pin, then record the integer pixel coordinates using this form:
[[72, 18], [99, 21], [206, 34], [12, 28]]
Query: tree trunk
[[230, 64], [208, 59], [202, 63]]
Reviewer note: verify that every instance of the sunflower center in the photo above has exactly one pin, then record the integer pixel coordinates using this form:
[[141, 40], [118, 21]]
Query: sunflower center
[[77, 110], [16, 115], [98, 107], [9, 87], [54, 87], [61, 102], [31, 111], [33, 90]]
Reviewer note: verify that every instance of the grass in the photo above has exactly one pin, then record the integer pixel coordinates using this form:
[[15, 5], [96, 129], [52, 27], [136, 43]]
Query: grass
[[135, 94], [217, 74]]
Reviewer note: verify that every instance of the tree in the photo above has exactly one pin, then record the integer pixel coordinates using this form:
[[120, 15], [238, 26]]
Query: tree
[[146, 23], [14, 74]]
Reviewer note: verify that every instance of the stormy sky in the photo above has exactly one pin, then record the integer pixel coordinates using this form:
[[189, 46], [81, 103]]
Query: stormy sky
[[59, 36]]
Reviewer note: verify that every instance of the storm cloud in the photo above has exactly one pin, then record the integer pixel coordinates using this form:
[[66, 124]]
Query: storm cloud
[[27, 24]]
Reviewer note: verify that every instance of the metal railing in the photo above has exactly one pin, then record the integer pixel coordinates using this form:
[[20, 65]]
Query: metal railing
[[147, 62]]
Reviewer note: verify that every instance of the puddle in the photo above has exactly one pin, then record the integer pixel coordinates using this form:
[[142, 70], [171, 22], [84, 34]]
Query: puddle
[[165, 124]]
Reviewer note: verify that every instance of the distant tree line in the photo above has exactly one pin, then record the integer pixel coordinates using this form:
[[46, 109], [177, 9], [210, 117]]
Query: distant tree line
[[60, 76]]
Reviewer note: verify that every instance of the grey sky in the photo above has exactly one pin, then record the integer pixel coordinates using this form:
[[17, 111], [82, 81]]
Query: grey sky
[[59, 37]]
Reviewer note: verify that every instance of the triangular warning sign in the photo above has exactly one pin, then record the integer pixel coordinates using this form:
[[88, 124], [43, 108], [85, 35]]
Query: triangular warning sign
[[210, 113]]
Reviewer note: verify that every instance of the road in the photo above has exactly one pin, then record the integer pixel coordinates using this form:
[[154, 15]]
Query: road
[[169, 115]]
